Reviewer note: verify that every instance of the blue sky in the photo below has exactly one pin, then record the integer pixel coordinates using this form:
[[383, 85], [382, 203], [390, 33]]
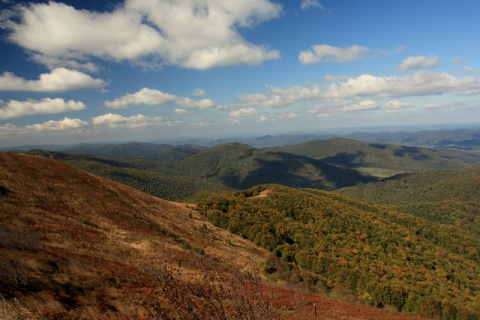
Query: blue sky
[[139, 70]]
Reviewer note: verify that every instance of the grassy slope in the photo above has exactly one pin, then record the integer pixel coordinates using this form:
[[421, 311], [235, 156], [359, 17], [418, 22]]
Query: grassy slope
[[386, 159], [78, 246], [383, 256]]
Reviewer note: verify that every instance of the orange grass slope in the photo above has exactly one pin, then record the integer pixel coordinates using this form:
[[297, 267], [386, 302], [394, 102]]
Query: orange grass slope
[[77, 246]]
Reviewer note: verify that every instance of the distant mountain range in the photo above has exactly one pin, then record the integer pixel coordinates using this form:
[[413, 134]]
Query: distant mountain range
[[464, 139], [181, 171]]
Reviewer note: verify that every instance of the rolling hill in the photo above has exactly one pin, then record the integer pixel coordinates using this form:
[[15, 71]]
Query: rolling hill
[[224, 167], [77, 246], [382, 160], [465, 139], [240, 166], [137, 150], [450, 196], [383, 256]]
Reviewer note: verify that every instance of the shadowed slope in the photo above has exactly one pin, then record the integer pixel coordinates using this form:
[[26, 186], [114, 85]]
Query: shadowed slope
[[240, 166], [381, 159]]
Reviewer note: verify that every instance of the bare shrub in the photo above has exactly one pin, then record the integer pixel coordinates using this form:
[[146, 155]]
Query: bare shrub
[[19, 240], [13, 310], [213, 296]]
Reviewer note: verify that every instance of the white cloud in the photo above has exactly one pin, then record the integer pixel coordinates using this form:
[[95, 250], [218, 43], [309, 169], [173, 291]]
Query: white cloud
[[468, 70], [396, 105], [345, 92], [421, 83], [278, 97], [199, 92], [112, 120], [60, 79], [232, 121], [16, 108], [291, 115], [195, 34], [418, 63], [244, 112], [330, 54], [330, 78], [66, 126], [264, 119], [361, 106], [152, 97], [56, 62], [307, 4], [180, 111]]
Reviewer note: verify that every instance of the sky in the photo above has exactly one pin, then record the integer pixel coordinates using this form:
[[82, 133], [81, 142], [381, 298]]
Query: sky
[[145, 70]]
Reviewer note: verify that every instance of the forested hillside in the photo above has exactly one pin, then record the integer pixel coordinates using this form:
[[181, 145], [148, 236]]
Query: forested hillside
[[240, 166], [381, 159], [224, 167], [160, 179], [137, 150], [445, 196], [383, 256], [467, 139]]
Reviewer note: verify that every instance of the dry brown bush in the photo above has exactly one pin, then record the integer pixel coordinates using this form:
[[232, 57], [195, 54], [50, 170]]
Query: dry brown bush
[[212, 296]]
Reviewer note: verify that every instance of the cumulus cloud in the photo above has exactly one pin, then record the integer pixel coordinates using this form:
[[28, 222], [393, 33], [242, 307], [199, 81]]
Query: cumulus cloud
[[290, 115], [14, 108], [243, 112], [278, 97], [194, 34], [199, 92], [60, 79], [345, 92], [421, 83], [66, 126], [112, 120], [152, 97], [180, 111], [361, 106], [330, 54], [264, 119], [307, 4], [396, 105], [418, 63], [469, 70], [56, 62]]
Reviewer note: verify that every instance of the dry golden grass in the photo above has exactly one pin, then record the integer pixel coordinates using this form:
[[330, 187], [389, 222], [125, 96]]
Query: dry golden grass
[[77, 246]]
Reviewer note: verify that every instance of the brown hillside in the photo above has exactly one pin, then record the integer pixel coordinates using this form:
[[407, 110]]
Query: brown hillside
[[74, 245]]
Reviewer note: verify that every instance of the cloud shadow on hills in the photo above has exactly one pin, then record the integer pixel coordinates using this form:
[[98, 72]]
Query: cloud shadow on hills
[[287, 170], [347, 159]]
